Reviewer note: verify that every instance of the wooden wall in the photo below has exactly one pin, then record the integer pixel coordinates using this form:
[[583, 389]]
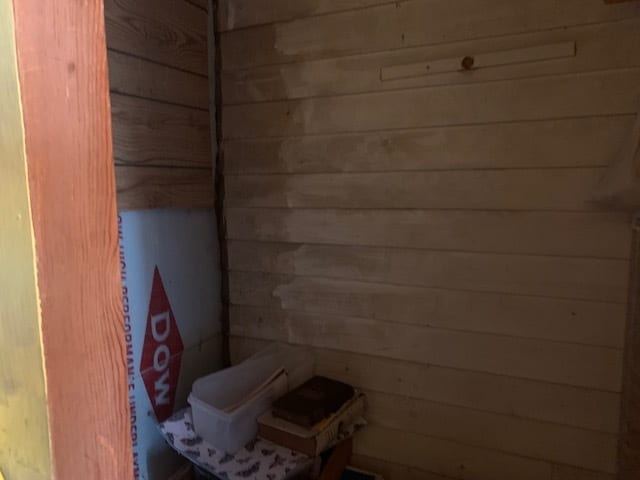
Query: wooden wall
[[158, 72], [431, 235]]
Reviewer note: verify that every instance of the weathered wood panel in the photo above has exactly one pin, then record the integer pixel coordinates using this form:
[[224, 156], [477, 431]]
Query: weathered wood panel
[[367, 217], [553, 189], [528, 99], [548, 402], [170, 32], [160, 103], [571, 364], [559, 277], [456, 460], [144, 188], [578, 142], [233, 14], [598, 47], [148, 133], [571, 446], [586, 322], [392, 471], [407, 24], [141, 78], [203, 4], [548, 233]]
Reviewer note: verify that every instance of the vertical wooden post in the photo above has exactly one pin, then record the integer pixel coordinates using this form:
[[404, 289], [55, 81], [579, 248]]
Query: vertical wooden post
[[65, 100], [629, 448]]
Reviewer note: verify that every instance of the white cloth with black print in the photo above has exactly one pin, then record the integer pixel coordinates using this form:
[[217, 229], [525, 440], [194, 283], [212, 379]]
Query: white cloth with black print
[[258, 460]]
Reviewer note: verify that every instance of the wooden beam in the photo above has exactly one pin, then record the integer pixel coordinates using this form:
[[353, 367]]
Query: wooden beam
[[65, 100]]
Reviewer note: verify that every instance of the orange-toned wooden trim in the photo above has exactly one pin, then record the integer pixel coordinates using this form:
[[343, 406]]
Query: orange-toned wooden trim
[[65, 97]]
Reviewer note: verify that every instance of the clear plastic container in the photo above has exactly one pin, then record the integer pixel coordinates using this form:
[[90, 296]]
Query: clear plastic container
[[210, 395]]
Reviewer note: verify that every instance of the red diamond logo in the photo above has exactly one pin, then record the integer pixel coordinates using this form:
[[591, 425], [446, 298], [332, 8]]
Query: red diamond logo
[[161, 352]]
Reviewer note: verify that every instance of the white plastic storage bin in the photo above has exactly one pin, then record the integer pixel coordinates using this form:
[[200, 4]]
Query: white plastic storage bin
[[210, 395]]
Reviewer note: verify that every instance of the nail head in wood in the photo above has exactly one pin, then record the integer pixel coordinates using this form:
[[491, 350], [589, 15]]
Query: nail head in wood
[[467, 63]]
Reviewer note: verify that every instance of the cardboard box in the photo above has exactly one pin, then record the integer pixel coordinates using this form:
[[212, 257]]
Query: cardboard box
[[171, 294]]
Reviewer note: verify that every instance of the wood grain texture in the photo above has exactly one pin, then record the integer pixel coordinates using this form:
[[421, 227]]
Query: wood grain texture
[[65, 98], [574, 321], [203, 4], [133, 76], [170, 32], [447, 457], [393, 471], [519, 100], [148, 133], [619, 188], [146, 188], [547, 233], [521, 398], [599, 47], [417, 230], [459, 460], [570, 364], [407, 24], [557, 444], [481, 61], [558, 277], [234, 14], [580, 142], [553, 189]]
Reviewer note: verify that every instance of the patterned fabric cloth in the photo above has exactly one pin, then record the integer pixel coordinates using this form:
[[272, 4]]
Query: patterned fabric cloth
[[258, 460]]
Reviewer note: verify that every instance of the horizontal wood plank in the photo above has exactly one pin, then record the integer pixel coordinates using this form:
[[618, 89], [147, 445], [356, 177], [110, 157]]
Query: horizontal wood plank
[[571, 364], [499, 58], [156, 134], [142, 188], [393, 471], [446, 457], [134, 76], [406, 24], [555, 443], [546, 402], [578, 142], [599, 47], [589, 323], [508, 101], [203, 4], [552, 190], [234, 14], [169, 32], [460, 461], [558, 277], [550, 233], [566, 472]]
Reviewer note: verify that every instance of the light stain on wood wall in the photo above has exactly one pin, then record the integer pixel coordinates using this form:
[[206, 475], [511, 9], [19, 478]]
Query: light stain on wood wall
[[433, 238], [158, 73]]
